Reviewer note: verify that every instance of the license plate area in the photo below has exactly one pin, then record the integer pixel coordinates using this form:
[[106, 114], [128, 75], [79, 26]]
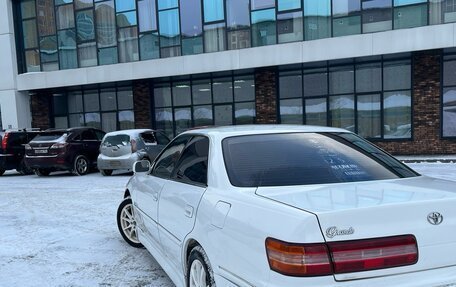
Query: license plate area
[[114, 163], [41, 151]]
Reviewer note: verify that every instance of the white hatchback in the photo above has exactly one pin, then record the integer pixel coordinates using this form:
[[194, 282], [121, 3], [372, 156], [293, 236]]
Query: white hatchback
[[289, 206]]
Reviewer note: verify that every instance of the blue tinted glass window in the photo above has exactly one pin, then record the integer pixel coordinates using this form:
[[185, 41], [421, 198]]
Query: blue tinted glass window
[[126, 19], [317, 19], [261, 4], [166, 4], [147, 15], [345, 7], [169, 28], [407, 2], [213, 10], [125, 5], [191, 18], [263, 27], [237, 14], [289, 4]]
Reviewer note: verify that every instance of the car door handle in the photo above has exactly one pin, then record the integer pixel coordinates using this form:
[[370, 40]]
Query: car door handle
[[155, 196], [189, 211]]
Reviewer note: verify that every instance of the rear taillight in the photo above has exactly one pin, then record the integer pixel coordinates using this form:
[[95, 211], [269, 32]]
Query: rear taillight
[[341, 257], [5, 141], [59, 145], [133, 146], [370, 254], [298, 259]]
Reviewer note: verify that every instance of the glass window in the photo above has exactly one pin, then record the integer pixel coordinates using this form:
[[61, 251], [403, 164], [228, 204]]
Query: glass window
[[377, 16], [192, 45], [61, 2], [126, 19], [168, 159], [213, 10], [345, 7], [108, 56], [75, 102], [182, 94], [290, 84], [346, 26], [449, 112], [48, 49], [109, 122], [442, 11], [191, 25], [170, 51], [126, 120], [125, 5], [397, 109], [316, 112], [182, 119], [239, 39], [290, 27], [201, 92], [397, 75], [317, 19], [407, 2], [60, 104], [341, 80], [76, 120], [45, 17], [106, 24], [169, 28], [147, 15], [369, 116], [65, 17], [237, 14], [315, 82], [244, 113], [149, 46], [223, 115], [87, 54], [91, 101], [202, 116], [244, 88], [52, 66], [291, 111], [81, 4], [222, 90], [128, 45], [162, 95], [214, 37], [288, 4], [261, 4], [30, 37], [342, 109], [108, 100], [60, 122], [85, 25], [263, 27], [449, 75], [125, 98], [192, 167], [166, 4], [93, 120], [164, 120], [67, 49], [368, 77], [310, 158], [410, 16], [27, 9]]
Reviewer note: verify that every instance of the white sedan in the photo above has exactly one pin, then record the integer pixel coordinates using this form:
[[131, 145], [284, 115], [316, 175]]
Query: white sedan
[[289, 206]]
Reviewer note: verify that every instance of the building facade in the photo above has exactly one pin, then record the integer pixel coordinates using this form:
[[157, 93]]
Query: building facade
[[385, 69]]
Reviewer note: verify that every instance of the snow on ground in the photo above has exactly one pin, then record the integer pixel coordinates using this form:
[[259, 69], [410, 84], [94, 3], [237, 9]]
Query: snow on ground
[[61, 231]]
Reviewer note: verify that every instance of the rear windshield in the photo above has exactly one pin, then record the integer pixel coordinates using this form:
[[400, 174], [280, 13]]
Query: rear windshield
[[50, 136], [306, 158], [122, 140]]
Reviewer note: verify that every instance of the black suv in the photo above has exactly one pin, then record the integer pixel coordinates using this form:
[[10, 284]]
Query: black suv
[[74, 149], [12, 149]]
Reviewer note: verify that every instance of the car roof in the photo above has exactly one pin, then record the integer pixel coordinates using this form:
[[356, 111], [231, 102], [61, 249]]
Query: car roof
[[131, 132], [230, 131]]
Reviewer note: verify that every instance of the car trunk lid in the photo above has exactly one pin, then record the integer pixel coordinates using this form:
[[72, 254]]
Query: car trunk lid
[[116, 145], [366, 210], [50, 143]]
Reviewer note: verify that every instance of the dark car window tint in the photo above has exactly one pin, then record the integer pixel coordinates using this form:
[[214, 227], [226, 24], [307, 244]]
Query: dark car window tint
[[192, 167], [116, 140], [17, 139], [148, 138], [51, 136], [88, 135], [161, 138], [167, 161], [99, 135], [299, 159]]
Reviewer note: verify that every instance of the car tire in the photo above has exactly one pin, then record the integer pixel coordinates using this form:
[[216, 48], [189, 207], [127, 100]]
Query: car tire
[[42, 172], [106, 172], [2, 171], [199, 270], [24, 169], [81, 165], [127, 224]]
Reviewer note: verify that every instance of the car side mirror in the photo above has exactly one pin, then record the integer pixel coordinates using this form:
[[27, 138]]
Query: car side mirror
[[141, 166]]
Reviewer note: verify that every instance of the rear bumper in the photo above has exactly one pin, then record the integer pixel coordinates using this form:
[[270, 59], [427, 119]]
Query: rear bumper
[[116, 163], [51, 162]]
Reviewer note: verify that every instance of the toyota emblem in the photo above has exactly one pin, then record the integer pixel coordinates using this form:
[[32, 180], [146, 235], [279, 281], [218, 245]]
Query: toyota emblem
[[435, 218]]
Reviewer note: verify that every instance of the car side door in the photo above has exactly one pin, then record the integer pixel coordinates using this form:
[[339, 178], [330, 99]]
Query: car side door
[[90, 144], [180, 198], [147, 191]]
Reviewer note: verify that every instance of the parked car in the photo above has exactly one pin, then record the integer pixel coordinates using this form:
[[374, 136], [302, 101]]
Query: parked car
[[289, 206], [12, 149], [119, 150], [74, 149]]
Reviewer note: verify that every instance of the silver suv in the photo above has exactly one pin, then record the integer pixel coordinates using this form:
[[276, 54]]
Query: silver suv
[[120, 149]]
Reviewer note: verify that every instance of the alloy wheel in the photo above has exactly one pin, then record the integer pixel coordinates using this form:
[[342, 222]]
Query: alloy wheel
[[197, 274], [128, 223], [81, 165]]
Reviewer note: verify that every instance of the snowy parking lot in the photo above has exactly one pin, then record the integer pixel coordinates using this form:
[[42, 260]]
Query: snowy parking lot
[[61, 231]]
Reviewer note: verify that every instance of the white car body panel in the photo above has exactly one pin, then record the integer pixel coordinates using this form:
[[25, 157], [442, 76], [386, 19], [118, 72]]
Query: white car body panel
[[231, 223]]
